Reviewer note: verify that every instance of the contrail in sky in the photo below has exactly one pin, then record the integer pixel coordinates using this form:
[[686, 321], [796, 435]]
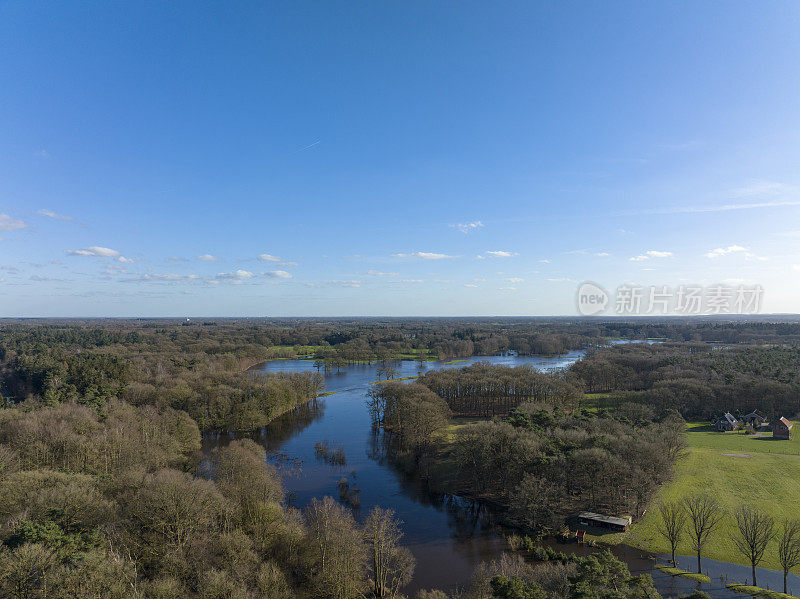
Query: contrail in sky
[[309, 146]]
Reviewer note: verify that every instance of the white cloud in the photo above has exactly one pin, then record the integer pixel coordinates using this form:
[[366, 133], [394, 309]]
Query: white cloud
[[467, 227], [717, 252], [335, 283], [515, 280], [561, 280], [165, 278], [268, 258], [237, 275], [507, 288], [545, 261], [207, 258], [51, 214], [602, 254], [8, 223], [377, 273], [95, 251], [424, 256], [279, 274], [469, 285], [125, 260], [651, 254], [501, 253]]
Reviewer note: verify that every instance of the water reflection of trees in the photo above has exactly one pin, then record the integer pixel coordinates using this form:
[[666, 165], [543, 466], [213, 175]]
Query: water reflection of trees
[[272, 437], [466, 518]]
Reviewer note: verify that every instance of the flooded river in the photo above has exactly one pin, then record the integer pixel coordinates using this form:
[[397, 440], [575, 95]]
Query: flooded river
[[448, 535]]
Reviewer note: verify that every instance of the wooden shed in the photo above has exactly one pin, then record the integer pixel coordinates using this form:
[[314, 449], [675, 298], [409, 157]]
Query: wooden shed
[[782, 429], [616, 523]]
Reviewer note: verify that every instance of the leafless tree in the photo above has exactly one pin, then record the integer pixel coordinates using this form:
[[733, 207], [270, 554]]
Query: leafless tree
[[392, 565], [705, 514], [672, 525], [789, 549], [755, 530]]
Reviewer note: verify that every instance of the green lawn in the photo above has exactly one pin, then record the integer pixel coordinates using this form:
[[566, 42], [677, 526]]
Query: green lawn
[[683, 573], [769, 479]]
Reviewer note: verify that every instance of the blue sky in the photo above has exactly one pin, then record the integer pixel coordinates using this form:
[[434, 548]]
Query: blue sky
[[393, 158]]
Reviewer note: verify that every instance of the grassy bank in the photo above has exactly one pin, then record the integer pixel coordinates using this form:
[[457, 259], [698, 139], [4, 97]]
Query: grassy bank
[[683, 573], [758, 471], [757, 592]]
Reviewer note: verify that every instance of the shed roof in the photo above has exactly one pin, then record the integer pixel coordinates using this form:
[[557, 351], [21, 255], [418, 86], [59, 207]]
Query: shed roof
[[621, 521], [785, 422]]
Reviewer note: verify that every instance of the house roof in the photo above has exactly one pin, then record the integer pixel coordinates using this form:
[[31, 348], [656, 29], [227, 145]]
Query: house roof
[[729, 417], [785, 422], [624, 521]]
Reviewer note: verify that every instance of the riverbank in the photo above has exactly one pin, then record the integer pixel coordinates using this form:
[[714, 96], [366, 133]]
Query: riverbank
[[734, 469]]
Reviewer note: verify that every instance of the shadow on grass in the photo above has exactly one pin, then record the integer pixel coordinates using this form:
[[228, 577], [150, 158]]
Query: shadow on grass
[[702, 428]]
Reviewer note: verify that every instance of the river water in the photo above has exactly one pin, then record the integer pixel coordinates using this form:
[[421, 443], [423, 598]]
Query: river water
[[448, 535]]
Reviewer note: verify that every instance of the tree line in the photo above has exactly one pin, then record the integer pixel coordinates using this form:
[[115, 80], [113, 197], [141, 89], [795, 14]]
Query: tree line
[[699, 517], [698, 380]]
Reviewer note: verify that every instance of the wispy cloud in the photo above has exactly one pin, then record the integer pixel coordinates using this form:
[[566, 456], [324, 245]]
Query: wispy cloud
[[377, 273], [651, 254], [279, 274], [311, 145], [763, 194], [41, 153], [515, 280], [54, 215], [467, 227], [731, 249], [268, 258], [95, 251], [236, 275], [8, 223], [424, 256], [207, 258], [501, 253], [723, 207], [334, 283]]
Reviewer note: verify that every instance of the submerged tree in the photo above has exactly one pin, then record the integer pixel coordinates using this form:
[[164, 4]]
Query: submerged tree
[[705, 514], [755, 530]]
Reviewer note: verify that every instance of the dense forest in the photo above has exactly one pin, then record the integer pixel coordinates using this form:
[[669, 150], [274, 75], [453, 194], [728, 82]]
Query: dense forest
[[698, 380], [543, 462], [104, 492]]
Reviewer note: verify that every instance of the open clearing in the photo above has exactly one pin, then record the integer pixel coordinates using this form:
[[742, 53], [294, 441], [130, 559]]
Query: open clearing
[[769, 479]]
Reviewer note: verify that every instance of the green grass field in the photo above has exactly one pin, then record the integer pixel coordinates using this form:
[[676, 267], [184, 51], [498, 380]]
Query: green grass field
[[769, 479]]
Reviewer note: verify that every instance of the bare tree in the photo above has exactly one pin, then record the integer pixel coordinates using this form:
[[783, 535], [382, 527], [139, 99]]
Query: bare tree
[[756, 529], [789, 549], [392, 565], [705, 514], [673, 524]]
